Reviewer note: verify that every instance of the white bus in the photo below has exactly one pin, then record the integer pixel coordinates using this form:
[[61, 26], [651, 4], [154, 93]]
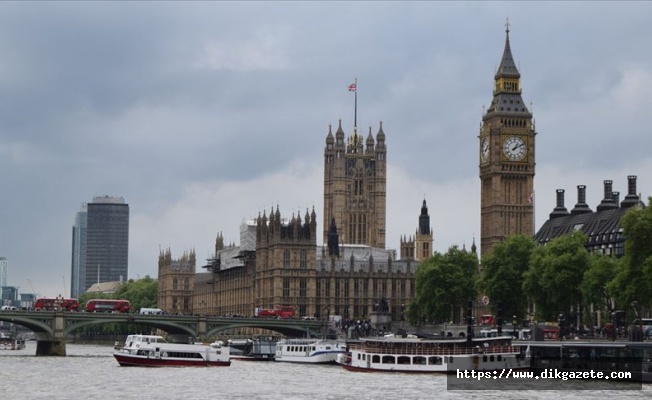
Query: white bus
[[151, 311]]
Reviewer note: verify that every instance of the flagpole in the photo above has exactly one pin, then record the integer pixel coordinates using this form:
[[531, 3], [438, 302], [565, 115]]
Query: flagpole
[[355, 109]]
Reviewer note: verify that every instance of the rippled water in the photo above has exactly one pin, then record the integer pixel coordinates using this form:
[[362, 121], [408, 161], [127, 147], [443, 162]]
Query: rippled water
[[90, 372]]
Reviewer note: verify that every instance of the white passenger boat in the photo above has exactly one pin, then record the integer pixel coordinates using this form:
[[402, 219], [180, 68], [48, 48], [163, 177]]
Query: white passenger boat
[[10, 342], [309, 351], [412, 354], [154, 351]]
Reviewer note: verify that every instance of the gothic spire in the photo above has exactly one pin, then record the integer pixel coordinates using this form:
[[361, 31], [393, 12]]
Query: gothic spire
[[507, 66]]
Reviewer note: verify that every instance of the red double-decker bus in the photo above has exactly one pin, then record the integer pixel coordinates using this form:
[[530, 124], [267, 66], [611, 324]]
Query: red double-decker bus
[[108, 305], [56, 303]]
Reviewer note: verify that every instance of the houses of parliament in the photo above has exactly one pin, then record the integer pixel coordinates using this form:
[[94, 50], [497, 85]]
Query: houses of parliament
[[279, 262]]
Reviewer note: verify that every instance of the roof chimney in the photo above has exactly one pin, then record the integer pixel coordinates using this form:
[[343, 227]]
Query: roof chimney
[[607, 203], [560, 210], [616, 197], [581, 207], [631, 198]]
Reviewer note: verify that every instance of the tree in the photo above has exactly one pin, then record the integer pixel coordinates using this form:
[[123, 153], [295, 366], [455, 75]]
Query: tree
[[503, 273], [595, 286], [555, 275], [444, 283], [633, 281], [141, 293]]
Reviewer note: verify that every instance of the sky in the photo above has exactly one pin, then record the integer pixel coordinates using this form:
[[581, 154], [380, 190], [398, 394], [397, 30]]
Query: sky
[[204, 114]]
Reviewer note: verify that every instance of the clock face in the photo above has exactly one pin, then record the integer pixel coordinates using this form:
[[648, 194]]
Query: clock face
[[514, 148], [484, 150]]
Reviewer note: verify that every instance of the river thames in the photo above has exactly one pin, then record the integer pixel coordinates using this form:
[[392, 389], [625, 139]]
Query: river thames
[[90, 372]]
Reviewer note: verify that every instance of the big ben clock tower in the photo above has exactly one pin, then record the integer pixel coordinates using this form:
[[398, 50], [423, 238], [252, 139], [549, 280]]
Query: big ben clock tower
[[506, 156]]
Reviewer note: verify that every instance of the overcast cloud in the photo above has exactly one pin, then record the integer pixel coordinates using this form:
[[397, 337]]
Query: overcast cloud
[[204, 114]]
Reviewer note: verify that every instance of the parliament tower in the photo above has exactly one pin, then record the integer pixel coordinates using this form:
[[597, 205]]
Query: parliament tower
[[506, 155], [355, 187]]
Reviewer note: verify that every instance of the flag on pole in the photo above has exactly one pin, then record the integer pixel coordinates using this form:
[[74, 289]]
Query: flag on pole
[[352, 87], [530, 198]]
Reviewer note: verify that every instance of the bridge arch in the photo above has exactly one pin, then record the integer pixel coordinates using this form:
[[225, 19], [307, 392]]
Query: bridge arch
[[43, 327], [169, 327]]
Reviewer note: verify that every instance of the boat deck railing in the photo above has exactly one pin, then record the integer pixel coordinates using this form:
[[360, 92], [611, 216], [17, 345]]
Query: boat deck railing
[[441, 351]]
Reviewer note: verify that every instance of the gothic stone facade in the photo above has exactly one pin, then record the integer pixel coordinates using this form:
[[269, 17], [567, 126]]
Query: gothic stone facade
[[288, 268], [176, 280], [355, 187]]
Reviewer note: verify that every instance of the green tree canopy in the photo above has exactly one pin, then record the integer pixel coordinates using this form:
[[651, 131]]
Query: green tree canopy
[[555, 275], [503, 271], [633, 282], [142, 293], [444, 282], [595, 286]]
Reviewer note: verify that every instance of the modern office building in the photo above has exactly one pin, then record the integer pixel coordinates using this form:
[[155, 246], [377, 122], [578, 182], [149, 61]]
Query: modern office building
[[105, 243], [8, 294], [78, 264], [4, 266]]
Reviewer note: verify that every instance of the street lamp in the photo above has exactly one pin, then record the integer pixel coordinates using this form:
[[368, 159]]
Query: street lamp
[[560, 322], [59, 303]]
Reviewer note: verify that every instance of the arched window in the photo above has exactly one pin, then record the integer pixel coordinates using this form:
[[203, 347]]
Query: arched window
[[303, 261], [175, 284], [286, 259]]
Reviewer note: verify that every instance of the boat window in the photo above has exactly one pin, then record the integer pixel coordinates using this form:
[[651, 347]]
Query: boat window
[[375, 359], [450, 359], [434, 360], [491, 359], [328, 347], [364, 356], [389, 360], [500, 357], [313, 348], [359, 356], [403, 360], [484, 358], [418, 360]]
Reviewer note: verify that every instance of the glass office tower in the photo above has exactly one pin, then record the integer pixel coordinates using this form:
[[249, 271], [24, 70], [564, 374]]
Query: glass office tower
[[106, 242]]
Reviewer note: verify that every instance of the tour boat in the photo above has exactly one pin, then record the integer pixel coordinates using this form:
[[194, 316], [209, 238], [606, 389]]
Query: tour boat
[[413, 354], [309, 351], [10, 342], [154, 351], [252, 350]]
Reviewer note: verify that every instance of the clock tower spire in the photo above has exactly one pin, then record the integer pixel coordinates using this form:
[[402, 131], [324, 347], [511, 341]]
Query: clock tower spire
[[506, 155]]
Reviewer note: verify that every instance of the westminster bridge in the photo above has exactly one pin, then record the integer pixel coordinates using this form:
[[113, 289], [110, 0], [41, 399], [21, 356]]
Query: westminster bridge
[[53, 327]]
